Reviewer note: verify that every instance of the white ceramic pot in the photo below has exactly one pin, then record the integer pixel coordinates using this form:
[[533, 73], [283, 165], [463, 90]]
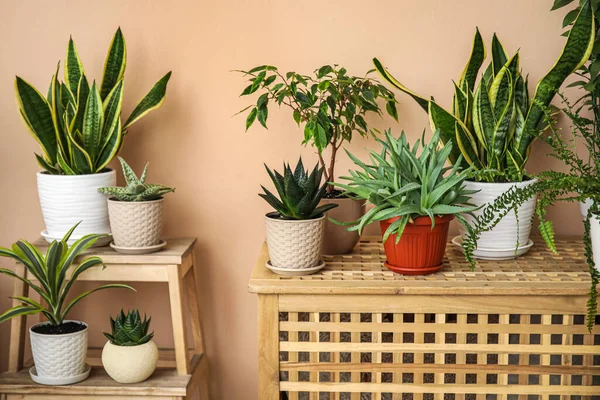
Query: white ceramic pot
[[294, 244], [584, 206], [136, 224], [511, 230], [59, 356], [595, 239], [130, 364], [68, 199]]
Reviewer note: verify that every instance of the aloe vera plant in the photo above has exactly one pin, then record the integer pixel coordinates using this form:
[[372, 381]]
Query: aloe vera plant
[[51, 272], [136, 189], [129, 329], [495, 123], [78, 126]]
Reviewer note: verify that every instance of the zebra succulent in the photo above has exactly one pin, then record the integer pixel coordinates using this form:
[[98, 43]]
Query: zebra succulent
[[136, 189], [129, 329]]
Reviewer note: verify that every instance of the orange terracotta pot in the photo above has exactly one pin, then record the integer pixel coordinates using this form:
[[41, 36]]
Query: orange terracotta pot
[[420, 250]]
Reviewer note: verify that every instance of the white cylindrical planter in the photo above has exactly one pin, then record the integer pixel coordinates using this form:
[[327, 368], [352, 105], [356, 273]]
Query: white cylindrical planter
[[130, 364], [511, 230], [595, 239], [59, 356], [136, 224], [68, 199], [584, 206], [294, 244]]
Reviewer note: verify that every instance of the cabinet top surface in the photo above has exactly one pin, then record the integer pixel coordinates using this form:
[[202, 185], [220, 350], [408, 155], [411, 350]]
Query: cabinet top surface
[[539, 272], [172, 253]]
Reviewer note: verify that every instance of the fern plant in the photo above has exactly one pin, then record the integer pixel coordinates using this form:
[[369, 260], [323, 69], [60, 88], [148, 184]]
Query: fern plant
[[136, 189], [582, 181], [51, 272], [129, 329]]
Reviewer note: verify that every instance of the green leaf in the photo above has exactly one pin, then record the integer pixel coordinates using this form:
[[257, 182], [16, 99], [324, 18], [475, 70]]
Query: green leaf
[[297, 117], [85, 294], [469, 74], [114, 65], [251, 117], [263, 114], [152, 101], [390, 107], [570, 17], [18, 311], [73, 68], [93, 122], [424, 103], [560, 3], [499, 57]]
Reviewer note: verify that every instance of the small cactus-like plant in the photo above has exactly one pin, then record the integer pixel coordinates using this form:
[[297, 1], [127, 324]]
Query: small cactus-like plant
[[129, 329], [136, 188]]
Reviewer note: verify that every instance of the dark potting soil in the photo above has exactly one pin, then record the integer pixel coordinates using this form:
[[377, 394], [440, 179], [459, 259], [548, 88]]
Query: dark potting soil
[[67, 327], [334, 194]]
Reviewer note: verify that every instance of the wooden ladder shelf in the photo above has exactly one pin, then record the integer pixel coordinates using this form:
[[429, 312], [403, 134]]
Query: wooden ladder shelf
[[181, 372]]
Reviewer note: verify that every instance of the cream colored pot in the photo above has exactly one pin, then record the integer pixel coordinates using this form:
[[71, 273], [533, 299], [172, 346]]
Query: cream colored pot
[[130, 364], [337, 238], [136, 224]]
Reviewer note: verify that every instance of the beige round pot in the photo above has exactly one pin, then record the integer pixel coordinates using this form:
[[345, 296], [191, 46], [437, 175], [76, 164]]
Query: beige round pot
[[136, 224], [130, 364], [294, 244], [337, 239]]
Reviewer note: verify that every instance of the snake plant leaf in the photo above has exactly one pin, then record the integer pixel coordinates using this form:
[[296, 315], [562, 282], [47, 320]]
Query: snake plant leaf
[[37, 113], [111, 148], [56, 104], [44, 164], [500, 91], [83, 91], [459, 104], [499, 57], [467, 145], [575, 53], [469, 74], [483, 116], [112, 111], [73, 68], [152, 101], [114, 65], [501, 132], [85, 294], [424, 103], [445, 122], [82, 161], [93, 122]]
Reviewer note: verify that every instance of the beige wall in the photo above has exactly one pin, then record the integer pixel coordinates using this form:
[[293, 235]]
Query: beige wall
[[193, 142]]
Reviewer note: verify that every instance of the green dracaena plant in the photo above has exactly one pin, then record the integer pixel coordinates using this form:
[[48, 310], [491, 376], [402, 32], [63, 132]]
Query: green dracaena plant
[[129, 329], [136, 189], [78, 126], [51, 273], [402, 182], [299, 192], [495, 123]]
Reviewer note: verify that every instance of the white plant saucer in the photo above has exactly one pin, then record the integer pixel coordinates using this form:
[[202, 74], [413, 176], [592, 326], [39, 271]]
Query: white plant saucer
[[139, 250], [496, 254], [68, 380], [297, 271], [103, 241]]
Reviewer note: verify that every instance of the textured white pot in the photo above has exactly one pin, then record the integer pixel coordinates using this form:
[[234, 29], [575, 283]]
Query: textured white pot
[[68, 199], [59, 356], [136, 224], [509, 230], [130, 364], [595, 238], [294, 244], [584, 206]]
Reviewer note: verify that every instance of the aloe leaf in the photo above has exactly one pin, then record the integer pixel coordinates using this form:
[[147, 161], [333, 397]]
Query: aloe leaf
[[114, 65], [394, 82], [469, 74], [152, 101]]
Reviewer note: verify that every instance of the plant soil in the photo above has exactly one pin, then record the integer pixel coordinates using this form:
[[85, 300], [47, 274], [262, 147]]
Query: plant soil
[[62, 329], [335, 194]]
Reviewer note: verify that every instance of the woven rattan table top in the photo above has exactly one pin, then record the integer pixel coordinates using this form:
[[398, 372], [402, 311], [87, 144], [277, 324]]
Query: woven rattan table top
[[362, 271]]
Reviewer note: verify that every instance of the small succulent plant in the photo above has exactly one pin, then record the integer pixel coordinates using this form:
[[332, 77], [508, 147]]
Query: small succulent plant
[[129, 329], [299, 192], [136, 189]]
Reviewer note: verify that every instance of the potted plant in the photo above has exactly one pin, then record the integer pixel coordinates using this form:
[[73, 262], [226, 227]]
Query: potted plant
[[295, 229], [414, 199], [59, 346], [332, 106], [136, 213], [79, 130], [495, 123], [130, 355]]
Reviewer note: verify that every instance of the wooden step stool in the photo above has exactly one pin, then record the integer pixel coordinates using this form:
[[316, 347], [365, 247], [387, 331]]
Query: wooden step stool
[[180, 373]]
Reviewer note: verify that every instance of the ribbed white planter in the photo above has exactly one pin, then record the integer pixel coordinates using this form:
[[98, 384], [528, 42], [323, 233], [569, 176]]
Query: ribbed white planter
[[130, 364], [595, 238], [509, 230], [584, 206], [68, 199], [136, 224], [59, 356], [294, 244]]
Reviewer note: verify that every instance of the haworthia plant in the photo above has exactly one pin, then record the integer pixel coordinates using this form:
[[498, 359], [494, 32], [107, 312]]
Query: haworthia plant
[[78, 126], [129, 329], [495, 123]]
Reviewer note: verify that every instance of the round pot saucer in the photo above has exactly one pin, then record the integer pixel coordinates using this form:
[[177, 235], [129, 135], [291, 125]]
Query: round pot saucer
[[413, 271], [295, 272], [103, 241], [69, 380], [495, 254], [139, 250]]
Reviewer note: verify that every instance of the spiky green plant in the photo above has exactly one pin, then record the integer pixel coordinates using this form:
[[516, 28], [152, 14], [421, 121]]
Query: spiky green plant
[[299, 192], [79, 127], [495, 124], [136, 189], [51, 272], [129, 329], [399, 182]]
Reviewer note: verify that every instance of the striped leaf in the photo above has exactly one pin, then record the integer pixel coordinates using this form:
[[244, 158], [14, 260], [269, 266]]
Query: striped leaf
[[83, 91], [445, 122], [497, 147], [112, 111], [111, 148], [500, 91], [483, 116], [73, 68], [85, 294], [499, 57], [114, 66], [152, 101], [93, 121], [469, 74], [18, 311], [424, 103]]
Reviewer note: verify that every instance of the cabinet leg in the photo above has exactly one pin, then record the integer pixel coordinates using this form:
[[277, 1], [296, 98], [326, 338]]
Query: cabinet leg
[[17, 325], [179, 326], [268, 347], [194, 306]]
